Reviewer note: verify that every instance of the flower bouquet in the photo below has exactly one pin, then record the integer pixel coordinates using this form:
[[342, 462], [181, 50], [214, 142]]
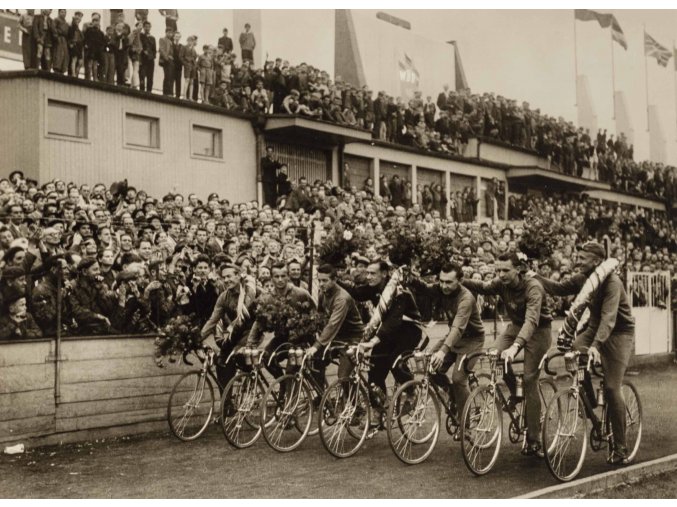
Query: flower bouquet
[[406, 245], [305, 323], [178, 337], [339, 243]]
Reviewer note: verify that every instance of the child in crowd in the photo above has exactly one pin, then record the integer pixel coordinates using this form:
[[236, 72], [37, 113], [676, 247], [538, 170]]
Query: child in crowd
[[205, 69], [189, 63]]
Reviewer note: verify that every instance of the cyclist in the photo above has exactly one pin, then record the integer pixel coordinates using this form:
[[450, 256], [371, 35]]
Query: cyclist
[[452, 302], [343, 320], [295, 296], [393, 336], [610, 334], [529, 329], [231, 318]]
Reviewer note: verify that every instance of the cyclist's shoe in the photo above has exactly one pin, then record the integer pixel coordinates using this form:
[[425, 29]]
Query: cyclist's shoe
[[533, 449], [457, 435], [229, 409], [356, 420], [511, 405], [619, 457]]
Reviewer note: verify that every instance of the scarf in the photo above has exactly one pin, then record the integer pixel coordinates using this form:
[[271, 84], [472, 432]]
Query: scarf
[[392, 288]]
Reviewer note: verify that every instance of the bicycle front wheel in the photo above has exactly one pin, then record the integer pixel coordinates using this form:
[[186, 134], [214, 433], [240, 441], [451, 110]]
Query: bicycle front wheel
[[286, 413], [481, 429], [241, 410], [190, 406], [565, 435], [344, 417], [633, 419], [413, 422]]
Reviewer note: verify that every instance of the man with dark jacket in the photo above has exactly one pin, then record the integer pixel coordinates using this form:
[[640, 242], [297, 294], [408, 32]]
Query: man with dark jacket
[[394, 335], [147, 58], [226, 42], [93, 305], [95, 44], [44, 297], [269, 167]]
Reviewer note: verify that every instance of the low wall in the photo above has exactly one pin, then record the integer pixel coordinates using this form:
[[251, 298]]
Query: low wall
[[107, 386], [103, 382]]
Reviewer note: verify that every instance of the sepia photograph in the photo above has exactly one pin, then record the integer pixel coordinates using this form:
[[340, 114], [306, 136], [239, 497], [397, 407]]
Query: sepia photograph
[[318, 251]]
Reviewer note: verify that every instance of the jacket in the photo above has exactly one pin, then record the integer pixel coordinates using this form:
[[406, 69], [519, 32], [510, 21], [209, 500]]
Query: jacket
[[343, 319]]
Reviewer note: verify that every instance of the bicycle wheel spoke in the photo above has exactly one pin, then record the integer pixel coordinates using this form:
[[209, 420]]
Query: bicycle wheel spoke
[[565, 435], [190, 406]]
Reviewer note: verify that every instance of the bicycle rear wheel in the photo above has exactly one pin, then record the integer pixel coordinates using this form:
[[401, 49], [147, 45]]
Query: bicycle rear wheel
[[286, 413], [191, 405], [241, 410], [344, 417], [481, 429], [413, 422], [633, 419], [565, 435]]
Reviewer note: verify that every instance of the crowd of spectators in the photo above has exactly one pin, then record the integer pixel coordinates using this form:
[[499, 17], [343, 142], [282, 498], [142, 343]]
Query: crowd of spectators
[[216, 74], [126, 261]]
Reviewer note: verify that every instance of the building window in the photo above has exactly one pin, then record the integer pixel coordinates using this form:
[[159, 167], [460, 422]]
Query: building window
[[142, 131], [66, 119], [207, 142]]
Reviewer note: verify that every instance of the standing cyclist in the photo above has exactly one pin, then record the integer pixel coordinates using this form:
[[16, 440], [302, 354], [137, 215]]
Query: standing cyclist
[[529, 329], [610, 334]]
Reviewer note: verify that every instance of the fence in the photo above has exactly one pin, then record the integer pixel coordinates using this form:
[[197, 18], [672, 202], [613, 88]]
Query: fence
[[650, 299]]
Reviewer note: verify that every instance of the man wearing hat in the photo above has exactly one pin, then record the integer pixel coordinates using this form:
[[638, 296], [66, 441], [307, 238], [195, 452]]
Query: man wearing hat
[[610, 334], [16, 322], [44, 297], [93, 305]]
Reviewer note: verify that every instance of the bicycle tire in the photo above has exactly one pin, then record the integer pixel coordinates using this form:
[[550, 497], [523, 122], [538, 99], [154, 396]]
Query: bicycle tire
[[633, 419], [344, 405], [288, 399], [565, 423], [401, 435], [192, 384], [240, 410], [481, 429]]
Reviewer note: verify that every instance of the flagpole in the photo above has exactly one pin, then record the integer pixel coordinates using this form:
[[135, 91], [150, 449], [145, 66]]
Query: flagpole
[[575, 61], [674, 78], [613, 73], [646, 81]]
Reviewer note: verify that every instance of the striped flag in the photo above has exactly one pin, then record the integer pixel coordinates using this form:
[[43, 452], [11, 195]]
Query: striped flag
[[653, 48], [605, 21]]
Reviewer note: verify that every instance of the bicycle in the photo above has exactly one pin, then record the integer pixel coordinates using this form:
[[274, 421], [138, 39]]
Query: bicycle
[[482, 419], [241, 400], [287, 410], [191, 402], [346, 408], [414, 415], [565, 433]]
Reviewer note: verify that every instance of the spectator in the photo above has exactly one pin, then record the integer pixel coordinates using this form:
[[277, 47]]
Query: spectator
[[16, 322], [171, 18], [28, 49], [147, 58], [167, 61], [60, 43], [189, 63], [76, 45], [95, 46], [226, 42], [247, 44]]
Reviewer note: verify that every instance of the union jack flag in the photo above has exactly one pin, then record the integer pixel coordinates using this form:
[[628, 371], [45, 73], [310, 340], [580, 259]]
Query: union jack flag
[[653, 48]]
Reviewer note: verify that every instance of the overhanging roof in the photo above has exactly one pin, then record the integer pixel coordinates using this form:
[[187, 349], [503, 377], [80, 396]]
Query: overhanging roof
[[536, 177], [314, 130]]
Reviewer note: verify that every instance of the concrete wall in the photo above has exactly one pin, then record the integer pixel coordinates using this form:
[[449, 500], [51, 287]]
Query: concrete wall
[[104, 157]]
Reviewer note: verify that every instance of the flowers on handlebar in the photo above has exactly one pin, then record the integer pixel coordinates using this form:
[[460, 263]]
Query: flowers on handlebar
[[179, 336]]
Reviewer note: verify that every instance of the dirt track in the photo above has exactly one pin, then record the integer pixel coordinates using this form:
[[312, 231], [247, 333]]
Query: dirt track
[[160, 466]]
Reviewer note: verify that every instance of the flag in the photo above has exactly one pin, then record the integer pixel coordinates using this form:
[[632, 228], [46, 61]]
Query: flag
[[461, 81], [605, 21], [409, 76], [653, 48]]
